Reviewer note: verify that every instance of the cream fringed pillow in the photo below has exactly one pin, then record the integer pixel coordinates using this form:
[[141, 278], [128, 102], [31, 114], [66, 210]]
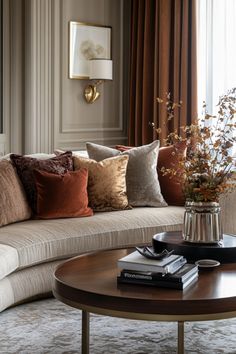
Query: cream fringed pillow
[[106, 182], [13, 203]]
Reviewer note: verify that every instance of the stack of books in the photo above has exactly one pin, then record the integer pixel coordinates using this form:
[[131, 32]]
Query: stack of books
[[170, 272]]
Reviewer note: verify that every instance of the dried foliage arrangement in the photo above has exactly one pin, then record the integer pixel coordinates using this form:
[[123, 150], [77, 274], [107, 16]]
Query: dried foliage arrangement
[[208, 169]]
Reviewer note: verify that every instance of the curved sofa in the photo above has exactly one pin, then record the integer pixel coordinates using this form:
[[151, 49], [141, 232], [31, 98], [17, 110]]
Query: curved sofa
[[30, 250]]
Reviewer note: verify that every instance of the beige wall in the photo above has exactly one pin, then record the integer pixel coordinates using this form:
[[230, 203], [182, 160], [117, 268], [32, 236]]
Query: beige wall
[[102, 121], [47, 109]]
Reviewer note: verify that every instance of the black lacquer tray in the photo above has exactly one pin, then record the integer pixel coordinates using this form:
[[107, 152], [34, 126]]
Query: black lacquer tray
[[224, 252]]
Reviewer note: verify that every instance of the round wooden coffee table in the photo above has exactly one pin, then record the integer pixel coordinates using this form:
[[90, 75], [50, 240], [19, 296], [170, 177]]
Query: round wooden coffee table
[[88, 282]]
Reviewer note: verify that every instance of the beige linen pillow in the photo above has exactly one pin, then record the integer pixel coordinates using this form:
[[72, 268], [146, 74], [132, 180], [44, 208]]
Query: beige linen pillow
[[13, 202], [143, 188], [106, 182]]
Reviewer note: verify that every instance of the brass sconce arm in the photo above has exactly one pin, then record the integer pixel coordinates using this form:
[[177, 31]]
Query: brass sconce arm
[[90, 93], [100, 70]]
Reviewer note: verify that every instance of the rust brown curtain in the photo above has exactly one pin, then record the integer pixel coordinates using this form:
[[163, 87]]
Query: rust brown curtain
[[163, 59]]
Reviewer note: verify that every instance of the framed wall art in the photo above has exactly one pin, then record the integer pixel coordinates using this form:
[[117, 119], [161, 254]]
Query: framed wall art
[[87, 41]]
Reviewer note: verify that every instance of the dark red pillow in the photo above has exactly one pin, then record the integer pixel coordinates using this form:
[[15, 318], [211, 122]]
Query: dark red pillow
[[123, 147], [62, 196], [171, 187], [25, 166]]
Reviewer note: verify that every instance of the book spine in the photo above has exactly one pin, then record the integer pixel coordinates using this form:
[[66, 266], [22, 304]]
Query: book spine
[[172, 268], [132, 275], [157, 283], [141, 267], [129, 274]]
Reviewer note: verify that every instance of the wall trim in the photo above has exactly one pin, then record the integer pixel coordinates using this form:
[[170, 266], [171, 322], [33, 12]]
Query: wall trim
[[88, 130], [5, 139], [38, 76]]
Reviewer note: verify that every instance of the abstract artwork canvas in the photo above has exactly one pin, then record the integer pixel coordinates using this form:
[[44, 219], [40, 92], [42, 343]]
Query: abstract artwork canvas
[[87, 42]]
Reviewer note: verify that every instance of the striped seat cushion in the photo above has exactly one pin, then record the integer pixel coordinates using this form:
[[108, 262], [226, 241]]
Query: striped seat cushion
[[37, 241]]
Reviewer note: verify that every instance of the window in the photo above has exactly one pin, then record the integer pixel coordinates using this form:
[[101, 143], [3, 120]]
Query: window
[[216, 51]]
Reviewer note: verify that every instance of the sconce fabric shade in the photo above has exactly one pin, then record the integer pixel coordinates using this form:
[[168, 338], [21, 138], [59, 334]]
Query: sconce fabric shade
[[100, 69]]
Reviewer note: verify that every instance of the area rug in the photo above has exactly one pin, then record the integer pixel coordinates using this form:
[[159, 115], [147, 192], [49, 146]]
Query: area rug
[[50, 327]]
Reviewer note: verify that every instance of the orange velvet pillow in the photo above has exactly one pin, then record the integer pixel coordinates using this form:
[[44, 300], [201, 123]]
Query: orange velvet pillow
[[62, 196], [171, 187], [168, 157], [123, 147]]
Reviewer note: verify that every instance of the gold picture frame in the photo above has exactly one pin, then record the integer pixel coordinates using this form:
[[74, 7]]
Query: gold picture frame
[[87, 41]]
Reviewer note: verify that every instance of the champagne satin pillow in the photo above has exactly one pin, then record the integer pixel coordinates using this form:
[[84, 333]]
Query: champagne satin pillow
[[106, 182], [143, 187]]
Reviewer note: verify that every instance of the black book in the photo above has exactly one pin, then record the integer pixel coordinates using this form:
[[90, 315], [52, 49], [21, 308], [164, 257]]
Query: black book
[[180, 275], [159, 283]]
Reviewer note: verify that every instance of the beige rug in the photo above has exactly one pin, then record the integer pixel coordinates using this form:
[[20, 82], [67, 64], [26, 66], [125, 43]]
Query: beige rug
[[49, 327]]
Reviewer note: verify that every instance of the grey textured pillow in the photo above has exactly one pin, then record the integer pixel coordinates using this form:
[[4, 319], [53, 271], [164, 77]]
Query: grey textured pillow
[[143, 188]]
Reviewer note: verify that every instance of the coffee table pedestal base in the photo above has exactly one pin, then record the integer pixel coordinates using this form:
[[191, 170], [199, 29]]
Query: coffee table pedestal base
[[180, 337], [85, 334]]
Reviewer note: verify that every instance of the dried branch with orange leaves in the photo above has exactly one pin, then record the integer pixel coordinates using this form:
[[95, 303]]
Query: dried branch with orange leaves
[[208, 169]]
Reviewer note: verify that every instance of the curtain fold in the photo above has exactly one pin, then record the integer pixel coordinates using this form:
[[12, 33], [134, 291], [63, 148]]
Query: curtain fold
[[163, 59]]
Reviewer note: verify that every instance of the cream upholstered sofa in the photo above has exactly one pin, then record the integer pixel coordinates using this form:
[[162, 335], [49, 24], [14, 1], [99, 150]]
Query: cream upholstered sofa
[[30, 250]]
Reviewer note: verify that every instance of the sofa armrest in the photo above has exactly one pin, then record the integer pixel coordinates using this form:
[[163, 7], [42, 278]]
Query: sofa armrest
[[228, 212]]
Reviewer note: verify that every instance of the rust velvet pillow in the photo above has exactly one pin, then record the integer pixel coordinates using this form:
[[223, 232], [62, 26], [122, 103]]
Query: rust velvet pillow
[[171, 188], [25, 166], [62, 196]]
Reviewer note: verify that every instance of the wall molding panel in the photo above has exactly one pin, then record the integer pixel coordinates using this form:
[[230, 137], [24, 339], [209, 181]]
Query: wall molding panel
[[43, 108], [5, 138], [79, 144], [38, 76], [75, 121]]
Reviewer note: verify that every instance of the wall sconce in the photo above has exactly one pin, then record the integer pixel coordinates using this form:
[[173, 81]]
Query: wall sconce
[[100, 70]]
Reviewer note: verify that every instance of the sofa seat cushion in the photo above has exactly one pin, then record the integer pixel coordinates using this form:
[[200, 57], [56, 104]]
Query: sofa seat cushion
[[9, 260], [27, 284], [39, 241]]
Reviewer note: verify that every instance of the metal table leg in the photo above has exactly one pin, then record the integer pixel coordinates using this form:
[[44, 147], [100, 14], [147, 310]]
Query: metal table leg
[[180, 337], [85, 332]]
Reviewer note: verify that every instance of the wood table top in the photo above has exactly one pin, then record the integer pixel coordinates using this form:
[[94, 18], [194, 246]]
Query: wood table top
[[91, 281]]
